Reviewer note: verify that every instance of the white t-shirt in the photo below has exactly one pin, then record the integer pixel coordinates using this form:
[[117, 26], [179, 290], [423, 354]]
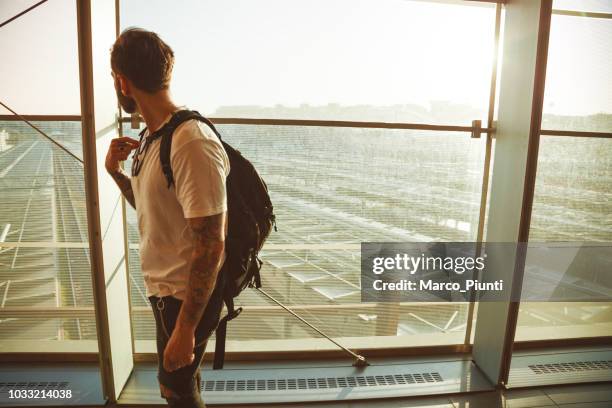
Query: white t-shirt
[[200, 167]]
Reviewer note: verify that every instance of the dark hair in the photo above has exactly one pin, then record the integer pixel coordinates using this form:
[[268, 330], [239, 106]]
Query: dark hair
[[143, 58]]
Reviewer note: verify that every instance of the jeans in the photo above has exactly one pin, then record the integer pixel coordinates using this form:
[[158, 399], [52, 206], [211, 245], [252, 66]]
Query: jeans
[[184, 382]]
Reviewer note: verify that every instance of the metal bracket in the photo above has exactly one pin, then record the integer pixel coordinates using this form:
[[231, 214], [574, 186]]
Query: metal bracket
[[135, 121], [476, 129]]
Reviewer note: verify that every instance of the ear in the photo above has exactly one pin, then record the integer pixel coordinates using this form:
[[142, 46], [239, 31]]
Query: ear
[[125, 85]]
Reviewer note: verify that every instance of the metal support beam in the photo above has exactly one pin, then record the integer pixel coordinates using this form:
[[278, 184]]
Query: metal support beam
[[486, 171], [526, 33], [91, 191]]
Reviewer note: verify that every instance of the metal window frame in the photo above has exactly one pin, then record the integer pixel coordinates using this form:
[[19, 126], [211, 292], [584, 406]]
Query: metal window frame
[[537, 110], [86, 80]]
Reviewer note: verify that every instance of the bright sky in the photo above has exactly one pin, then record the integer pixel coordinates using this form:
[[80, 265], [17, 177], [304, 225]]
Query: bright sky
[[39, 62], [375, 52], [267, 52]]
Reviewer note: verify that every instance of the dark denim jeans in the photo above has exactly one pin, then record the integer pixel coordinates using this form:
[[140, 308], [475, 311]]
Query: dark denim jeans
[[184, 382]]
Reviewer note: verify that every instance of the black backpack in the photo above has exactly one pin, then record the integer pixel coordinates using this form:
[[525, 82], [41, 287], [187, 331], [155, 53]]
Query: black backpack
[[250, 220]]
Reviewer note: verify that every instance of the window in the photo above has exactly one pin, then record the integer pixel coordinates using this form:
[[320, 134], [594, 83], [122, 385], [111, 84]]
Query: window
[[572, 203], [40, 66], [366, 60], [578, 92], [596, 6], [572, 200], [46, 298], [332, 189], [45, 277]]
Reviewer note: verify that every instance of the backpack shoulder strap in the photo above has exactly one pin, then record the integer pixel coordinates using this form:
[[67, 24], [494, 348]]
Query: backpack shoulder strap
[[209, 123], [166, 139], [221, 331], [142, 132]]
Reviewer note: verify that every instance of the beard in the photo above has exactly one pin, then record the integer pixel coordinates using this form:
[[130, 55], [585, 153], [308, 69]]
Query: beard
[[127, 103]]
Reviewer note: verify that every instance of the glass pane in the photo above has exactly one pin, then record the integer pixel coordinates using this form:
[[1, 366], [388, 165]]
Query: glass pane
[[40, 59], [333, 188], [365, 60], [598, 6], [44, 251], [572, 203], [578, 83]]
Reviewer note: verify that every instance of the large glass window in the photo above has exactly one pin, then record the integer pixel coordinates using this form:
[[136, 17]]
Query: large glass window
[[572, 203], [332, 189], [572, 200], [39, 68], [46, 298], [45, 277], [364, 60], [595, 6], [578, 92], [392, 61]]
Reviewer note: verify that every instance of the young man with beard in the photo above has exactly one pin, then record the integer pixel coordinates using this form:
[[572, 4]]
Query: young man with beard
[[182, 228]]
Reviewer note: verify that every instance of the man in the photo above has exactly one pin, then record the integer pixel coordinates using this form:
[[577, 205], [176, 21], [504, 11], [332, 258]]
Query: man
[[182, 228]]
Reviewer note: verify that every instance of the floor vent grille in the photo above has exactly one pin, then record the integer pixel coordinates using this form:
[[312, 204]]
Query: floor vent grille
[[571, 367], [319, 383], [51, 385]]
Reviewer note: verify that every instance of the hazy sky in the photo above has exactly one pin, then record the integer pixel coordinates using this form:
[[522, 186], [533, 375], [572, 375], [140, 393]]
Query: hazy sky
[[376, 52], [266, 52], [39, 62]]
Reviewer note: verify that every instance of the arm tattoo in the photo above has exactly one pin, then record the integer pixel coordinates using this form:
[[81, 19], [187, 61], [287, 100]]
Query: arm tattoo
[[125, 184], [207, 258]]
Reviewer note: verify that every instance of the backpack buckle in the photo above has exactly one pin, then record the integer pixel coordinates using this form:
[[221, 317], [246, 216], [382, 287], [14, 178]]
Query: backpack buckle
[[235, 314]]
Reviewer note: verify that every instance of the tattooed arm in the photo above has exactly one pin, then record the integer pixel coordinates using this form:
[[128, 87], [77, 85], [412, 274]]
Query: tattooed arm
[[119, 151], [125, 184], [206, 259]]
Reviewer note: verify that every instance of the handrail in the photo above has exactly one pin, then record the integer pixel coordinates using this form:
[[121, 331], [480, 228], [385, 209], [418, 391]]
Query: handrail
[[42, 118], [88, 311], [325, 123], [576, 13], [340, 123], [575, 133], [281, 246], [352, 124], [43, 244], [382, 125]]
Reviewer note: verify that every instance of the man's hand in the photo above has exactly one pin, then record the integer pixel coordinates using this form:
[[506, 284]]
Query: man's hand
[[179, 349], [119, 151]]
